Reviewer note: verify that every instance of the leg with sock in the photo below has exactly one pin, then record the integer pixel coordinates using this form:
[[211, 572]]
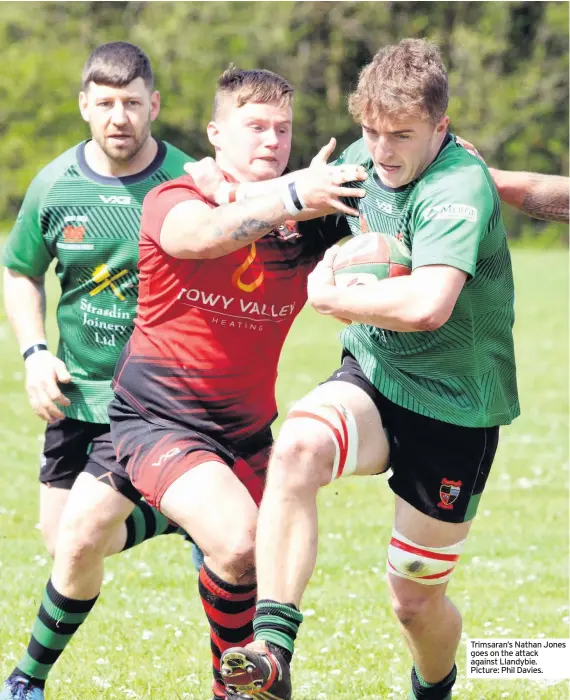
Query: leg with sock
[[93, 516], [422, 690], [229, 608], [216, 509], [57, 621], [422, 555]]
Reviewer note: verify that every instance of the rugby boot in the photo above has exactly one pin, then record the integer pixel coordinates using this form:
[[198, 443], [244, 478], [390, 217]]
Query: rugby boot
[[260, 674], [18, 688]]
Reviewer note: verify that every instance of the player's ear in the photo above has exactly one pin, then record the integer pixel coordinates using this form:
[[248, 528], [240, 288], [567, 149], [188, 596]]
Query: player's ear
[[154, 105], [213, 131], [83, 102], [442, 125]]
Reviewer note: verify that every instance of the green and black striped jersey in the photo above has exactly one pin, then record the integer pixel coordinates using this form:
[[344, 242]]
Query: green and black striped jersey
[[90, 224], [464, 372]]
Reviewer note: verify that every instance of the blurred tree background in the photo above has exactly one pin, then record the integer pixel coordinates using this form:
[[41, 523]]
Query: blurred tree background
[[508, 67]]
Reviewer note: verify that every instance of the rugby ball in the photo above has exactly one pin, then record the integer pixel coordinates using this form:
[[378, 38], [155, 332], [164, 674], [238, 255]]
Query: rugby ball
[[371, 257]]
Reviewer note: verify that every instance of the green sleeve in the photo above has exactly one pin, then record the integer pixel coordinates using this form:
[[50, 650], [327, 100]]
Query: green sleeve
[[452, 214], [26, 251]]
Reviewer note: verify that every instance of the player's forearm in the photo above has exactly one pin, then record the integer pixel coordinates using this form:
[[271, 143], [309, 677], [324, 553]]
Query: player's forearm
[[540, 196], [395, 305], [24, 302], [222, 230]]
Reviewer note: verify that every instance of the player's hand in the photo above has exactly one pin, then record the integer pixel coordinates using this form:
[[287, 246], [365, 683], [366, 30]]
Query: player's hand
[[209, 179], [468, 146], [322, 157], [43, 373], [321, 285], [320, 187]]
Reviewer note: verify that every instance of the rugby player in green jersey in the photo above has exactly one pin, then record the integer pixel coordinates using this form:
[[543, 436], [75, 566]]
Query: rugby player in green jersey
[[427, 378], [84, 210]]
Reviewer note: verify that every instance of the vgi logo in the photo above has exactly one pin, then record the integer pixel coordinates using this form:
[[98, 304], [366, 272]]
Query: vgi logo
[[115, 199], [102, 277], [236, 277], [166, 456]]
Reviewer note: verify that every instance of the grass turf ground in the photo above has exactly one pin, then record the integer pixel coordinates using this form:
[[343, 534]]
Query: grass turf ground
[[147, 636]]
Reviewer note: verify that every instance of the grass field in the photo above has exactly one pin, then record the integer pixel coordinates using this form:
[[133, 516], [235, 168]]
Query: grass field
[[147, 637]]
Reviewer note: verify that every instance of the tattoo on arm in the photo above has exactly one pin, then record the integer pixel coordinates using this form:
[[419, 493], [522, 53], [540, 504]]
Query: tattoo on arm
[[251, 228], [548, 200]]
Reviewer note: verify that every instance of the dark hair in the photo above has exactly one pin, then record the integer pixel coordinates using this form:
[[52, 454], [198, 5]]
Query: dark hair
[[117, 64], [251, 86], [408, 78]]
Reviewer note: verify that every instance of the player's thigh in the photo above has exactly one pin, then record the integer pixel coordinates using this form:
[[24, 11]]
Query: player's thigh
[[439, 471], [213, 506], [422, 556], [439, 468], [64, 454], [52, 504], [329, 401]]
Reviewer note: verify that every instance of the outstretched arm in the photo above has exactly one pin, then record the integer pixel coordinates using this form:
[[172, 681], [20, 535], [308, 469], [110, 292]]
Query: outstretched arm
[[544, 197]]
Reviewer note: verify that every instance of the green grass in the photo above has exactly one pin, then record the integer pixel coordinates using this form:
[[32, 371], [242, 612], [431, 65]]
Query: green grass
[[147, 637]]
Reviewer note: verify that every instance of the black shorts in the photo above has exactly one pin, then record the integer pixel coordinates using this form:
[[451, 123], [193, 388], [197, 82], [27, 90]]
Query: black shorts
[[439, 468], [74, 446], [156, 453]]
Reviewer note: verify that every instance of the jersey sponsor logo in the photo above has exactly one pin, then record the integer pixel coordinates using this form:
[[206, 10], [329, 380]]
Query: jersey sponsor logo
[[73, 234], [451, 211], [246, 264], [102, 277], [115, 199], [166, 456], [208, 301], [448, 493]]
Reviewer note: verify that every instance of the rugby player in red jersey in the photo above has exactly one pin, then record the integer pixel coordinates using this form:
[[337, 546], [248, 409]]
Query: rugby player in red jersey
[[219, 289]]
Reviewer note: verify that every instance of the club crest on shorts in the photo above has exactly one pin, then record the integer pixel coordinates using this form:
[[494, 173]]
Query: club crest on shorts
[[448, 493]]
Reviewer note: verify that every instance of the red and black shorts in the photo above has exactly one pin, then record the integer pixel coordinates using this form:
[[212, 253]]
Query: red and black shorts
[[73, 446], [155, 454], [439, 468]]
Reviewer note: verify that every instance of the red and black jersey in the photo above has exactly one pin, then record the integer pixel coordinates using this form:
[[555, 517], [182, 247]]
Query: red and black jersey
[[209, 333]]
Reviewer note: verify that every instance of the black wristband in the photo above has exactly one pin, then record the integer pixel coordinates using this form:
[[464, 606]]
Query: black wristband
[[295, 197], [34, 348]]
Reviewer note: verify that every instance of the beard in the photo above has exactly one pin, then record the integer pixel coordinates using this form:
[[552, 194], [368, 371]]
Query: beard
[[122, 152]]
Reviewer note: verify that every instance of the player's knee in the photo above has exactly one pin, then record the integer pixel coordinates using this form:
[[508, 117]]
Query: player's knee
[[235, 559], [302, 459], [413, 601], [417, 573], [84, 538]]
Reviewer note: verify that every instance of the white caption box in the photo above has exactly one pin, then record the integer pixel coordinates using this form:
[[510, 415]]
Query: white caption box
[[533, 659]]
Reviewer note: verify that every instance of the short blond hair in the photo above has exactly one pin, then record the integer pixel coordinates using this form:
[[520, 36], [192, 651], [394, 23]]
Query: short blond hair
[[243, 86], [406, 79]]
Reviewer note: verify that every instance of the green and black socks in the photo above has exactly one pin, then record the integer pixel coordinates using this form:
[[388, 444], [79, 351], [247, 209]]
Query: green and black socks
[[144, 523], [422, 690], [57, 621], [277, 623]]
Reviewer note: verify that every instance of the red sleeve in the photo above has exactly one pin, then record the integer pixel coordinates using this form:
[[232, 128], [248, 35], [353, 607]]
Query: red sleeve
[[160, 200]]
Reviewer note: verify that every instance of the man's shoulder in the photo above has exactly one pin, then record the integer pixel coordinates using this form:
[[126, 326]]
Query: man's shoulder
[[54, 170], [175, 159], [355, 154], [455, 170]]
